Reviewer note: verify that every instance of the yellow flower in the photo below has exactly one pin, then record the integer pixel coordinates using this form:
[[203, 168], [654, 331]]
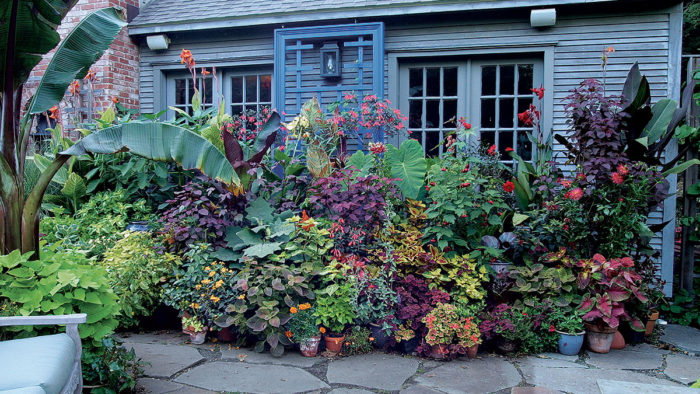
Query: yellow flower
[[194, 305], [207, 268], [241, 297], [198, 287], [218, 283], [293, 310], [214, 298], [212, 273], [206, 281]]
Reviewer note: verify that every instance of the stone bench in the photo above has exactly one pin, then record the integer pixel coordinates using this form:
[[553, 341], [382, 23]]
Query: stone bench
[[47, 364]]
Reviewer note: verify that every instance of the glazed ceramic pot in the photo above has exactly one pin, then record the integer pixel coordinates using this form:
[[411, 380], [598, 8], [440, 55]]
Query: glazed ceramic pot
[[309, 346], [198, 337], [225, 335], [334, 343], [570, 344], [409, 346], [472, 350], [599, 339], [381, 339]]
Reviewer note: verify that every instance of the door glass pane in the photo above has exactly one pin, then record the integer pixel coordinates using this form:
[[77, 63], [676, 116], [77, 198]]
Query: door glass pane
[[449, 111], [265, 88], [488, 138], [525, 78], [432, 143], [524, 146], [208, 93], [505, 140], [488, 80], [507, 79], [236, 109], [488, 113], [506, 110], [415, 114], [450, 81], [237, 90], [251, 88], [432, 114], [180, 91], [433, 82], [415, 82]]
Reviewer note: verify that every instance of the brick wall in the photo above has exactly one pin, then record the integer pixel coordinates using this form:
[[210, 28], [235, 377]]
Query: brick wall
[[116, 72]]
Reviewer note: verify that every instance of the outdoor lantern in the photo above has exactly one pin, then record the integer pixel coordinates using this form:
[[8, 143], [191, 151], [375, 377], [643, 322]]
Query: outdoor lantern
[[330, 60]]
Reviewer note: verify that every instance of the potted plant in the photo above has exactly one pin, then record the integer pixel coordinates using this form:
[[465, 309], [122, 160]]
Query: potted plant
[[611, 286], [450, 334], [406, 338], [303, 330], [192, 326], [569, 326], [498, 325], [505, 244], [374, 305], [333, 311]]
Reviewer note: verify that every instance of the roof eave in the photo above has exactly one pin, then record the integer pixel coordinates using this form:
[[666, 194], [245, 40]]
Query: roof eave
[[345, 13]]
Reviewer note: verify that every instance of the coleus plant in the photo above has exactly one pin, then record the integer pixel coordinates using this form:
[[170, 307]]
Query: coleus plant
[[611, 285]]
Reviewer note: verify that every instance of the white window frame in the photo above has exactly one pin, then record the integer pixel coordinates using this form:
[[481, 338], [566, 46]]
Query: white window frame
[[229, 74]]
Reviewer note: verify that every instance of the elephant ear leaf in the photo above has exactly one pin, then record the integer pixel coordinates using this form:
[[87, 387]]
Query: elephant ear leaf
[[408, 167], [160, 142]]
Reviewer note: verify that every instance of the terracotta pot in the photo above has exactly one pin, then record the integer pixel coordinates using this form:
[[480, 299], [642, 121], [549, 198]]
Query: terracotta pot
[[225, 335], [599, 340], [309, 347], [651, 322], [198, 337], [618, 341], [439, 352], [334, 344], [472, 350]]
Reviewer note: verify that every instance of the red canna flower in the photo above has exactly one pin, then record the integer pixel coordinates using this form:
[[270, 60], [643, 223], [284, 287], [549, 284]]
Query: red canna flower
[[508, 187], [538, 91], [492, 150], [509, 149]]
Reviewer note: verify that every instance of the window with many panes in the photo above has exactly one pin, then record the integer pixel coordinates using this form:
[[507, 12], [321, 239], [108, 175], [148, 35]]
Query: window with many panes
[[489, 93], [181, 89], [241, 91]]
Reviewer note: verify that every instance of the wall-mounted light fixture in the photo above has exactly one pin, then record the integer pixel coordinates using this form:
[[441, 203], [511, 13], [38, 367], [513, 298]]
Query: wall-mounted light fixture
[[157, 42], [330, 60], [543, 18]]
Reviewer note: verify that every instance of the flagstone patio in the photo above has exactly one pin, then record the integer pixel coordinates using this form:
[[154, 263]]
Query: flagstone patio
[[179, 367]]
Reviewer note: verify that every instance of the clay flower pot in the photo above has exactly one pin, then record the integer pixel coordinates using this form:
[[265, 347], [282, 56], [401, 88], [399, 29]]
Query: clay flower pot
[[651, 322], [570, 344], [618, 341], [472, 350], [599, 339], [334, 343], [309, 346], [439, 352]]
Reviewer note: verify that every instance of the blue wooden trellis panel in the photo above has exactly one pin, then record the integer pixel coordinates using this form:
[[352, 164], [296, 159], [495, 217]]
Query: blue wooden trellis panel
[[298, 40]]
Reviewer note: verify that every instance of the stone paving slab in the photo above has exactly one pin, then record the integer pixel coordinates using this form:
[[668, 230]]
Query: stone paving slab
[[292, 358], [682, 337], [537, 362], [374, 370], [349, 391], [558, 356], [252, 378], [162, 338], [683, 368], [533, 390], [617, 387], [626, 359], [582, 380], [164, 360], [157, 386], [419, 389], [483, 375]]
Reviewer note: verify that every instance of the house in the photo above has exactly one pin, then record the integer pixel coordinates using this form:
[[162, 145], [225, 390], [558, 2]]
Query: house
[[434, 59]]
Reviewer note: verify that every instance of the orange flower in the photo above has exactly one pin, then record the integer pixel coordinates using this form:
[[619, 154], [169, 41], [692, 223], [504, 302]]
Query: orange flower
[[293, 310], [74, 87], [371, 339], [187, 58], [303, 307], [91, 75], [205, 72], [609, 49], [53, 112], [115, 100], [288, 334], [322, 330]]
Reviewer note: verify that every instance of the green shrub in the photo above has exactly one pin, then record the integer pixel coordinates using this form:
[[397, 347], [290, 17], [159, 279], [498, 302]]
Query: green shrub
[[98, 223], [358, 341], [136, 270]]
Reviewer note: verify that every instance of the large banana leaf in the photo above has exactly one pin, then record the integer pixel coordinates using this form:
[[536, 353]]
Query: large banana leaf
[[162, 142], [78, 51], [34, 34]]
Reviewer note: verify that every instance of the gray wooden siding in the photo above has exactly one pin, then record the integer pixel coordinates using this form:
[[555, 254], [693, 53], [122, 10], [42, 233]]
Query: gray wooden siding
[[575, 46]]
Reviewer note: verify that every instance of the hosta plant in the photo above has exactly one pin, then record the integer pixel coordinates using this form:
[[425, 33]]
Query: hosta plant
[[535, 283]]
